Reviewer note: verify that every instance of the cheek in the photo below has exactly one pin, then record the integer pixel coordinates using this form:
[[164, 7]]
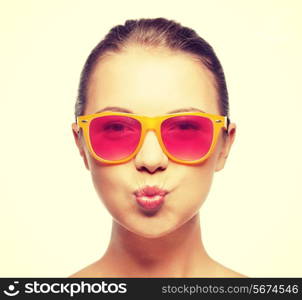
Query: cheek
[[109, 183], [194, 187]]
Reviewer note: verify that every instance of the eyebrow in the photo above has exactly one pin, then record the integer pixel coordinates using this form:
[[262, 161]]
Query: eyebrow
[[122, 109]]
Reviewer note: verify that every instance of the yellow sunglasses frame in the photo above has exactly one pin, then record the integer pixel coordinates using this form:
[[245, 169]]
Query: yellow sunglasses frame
[[152, 123]]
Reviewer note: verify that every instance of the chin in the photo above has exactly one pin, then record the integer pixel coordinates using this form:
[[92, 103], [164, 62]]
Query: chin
[[152, 231], [152, 235]]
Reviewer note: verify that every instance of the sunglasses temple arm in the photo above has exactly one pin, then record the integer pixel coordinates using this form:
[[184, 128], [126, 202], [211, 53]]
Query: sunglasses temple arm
[[228, 121]]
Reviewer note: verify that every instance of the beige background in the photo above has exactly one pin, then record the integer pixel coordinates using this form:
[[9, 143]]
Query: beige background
[[52, 222]]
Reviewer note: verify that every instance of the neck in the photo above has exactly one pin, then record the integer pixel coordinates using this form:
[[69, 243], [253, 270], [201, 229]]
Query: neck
[[177, 254]]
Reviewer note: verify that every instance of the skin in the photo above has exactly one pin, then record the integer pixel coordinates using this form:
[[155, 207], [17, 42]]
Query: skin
[[169, 242]]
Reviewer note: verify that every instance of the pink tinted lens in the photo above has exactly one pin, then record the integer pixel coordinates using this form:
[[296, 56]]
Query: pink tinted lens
[[114, 137], [187, 137]]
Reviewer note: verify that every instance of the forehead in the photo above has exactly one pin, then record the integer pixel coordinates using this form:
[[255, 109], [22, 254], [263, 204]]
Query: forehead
[[151, 82]]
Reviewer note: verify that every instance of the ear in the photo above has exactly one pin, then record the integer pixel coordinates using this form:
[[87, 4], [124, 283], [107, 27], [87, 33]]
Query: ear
[[226, 147], [80, 143]]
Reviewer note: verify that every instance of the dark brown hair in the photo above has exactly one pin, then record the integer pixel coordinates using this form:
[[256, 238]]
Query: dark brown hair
[[155, 33]]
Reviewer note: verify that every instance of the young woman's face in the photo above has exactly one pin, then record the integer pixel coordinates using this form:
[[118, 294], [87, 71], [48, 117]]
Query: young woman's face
[[151, 83]]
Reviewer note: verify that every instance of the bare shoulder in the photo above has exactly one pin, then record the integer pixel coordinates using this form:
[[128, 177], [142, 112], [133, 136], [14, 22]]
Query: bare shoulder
[[230, 273], [92, 270], [223, 271]]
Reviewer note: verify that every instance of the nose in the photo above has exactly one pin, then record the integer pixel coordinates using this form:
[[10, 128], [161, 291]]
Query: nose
[[151, 156]]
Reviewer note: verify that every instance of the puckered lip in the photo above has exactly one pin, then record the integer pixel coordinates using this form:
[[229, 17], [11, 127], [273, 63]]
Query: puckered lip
[[150, 191]]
